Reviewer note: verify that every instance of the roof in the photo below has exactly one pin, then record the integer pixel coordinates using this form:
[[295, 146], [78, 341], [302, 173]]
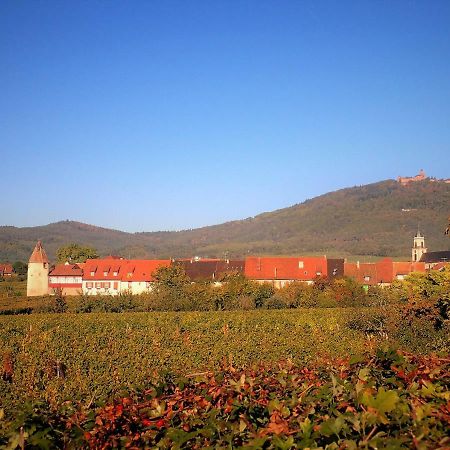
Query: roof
[[383, 271], [370, 273], [66, 270], [122, 269], [431, 257], [38, 255], [210, 269], [299, 268], [6, 268], [405, 268], [441, 266], [335, 267]]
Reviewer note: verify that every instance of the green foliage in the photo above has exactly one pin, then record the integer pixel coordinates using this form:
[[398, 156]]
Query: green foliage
[[427, 296], [75, 253], [20, 268], [107, 303], [388, 400]]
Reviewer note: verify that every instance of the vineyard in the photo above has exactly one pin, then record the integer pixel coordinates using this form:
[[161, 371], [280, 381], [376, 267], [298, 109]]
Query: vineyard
[[89, 359]]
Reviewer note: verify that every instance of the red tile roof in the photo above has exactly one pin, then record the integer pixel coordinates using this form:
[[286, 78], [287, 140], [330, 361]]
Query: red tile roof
[[122, 269], [6, 269], [370, 273], [142, 269], [440, 266], [38, 255], [405, 268], [299, 268], [384, 271], [66, 270]]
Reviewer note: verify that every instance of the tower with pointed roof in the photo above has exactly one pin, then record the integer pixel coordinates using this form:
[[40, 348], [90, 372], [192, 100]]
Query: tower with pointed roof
[[418, 247], [38, 266]]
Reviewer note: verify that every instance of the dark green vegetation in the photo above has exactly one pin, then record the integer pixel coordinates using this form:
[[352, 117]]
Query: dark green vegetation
[[75, 253], [366, 220]]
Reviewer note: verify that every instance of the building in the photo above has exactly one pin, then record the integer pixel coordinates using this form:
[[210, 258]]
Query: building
[[6, 270], [66, 277], [406, 180], [38, 268], [335, 268], [282, 271], [117, 275], [214, 270], [418, 248], [431, 259], [401, 269], [381, 273]]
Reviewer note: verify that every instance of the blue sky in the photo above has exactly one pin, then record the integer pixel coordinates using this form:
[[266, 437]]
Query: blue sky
[[163, 115]]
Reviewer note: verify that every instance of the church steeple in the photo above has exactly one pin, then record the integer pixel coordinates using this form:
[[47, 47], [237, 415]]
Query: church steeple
[[418, 247]]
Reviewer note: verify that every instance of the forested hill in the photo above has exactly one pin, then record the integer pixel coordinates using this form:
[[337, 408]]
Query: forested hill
[[378, 219]]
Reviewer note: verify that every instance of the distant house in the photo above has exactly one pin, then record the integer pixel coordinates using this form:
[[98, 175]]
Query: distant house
[[381, 273], [137, 276], [284, 270], [430, 259], [115, 275], [67, 277], [213, 270], [6, 270], [402, 269]]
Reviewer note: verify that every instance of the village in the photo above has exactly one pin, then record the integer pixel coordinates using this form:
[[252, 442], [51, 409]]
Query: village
[[112, 275]]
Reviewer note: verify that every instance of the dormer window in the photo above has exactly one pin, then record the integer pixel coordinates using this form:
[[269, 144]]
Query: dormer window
[[105, 273], [92, 273], [367, 278], [300, 264], [115, 274]]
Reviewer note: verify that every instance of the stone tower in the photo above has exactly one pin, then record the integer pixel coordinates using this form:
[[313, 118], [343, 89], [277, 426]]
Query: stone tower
[[37, 283], [418, 247]]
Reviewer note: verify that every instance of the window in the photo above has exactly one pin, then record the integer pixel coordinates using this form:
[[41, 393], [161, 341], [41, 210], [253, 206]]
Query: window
[[367, 278], [98, 285], [106, 285], [115, 274], [116, 285], [92, 273], [89, 285], [105, 273], [301, 265]]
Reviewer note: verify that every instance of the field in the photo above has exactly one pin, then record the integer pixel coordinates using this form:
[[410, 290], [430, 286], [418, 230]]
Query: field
[[101, 353], [104, 372], [80, 361]]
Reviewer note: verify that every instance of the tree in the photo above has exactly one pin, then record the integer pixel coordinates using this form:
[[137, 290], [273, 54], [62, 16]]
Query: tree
[[75, 253], [20, 268]]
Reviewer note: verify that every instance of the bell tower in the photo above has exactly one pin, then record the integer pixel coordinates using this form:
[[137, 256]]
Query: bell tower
[[37, 280], [418, 247]]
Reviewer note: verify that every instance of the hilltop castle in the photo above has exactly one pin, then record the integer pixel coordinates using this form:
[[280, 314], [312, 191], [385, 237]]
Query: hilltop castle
[[421, 176]]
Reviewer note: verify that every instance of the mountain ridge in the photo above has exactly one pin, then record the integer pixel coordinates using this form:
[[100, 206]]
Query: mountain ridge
[[377, 219]]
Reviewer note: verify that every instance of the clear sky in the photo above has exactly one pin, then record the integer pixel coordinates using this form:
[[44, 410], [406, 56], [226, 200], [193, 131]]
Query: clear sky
[[163, 115]]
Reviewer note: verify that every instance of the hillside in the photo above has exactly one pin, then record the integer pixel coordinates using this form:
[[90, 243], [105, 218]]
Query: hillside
[[378, 219]]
